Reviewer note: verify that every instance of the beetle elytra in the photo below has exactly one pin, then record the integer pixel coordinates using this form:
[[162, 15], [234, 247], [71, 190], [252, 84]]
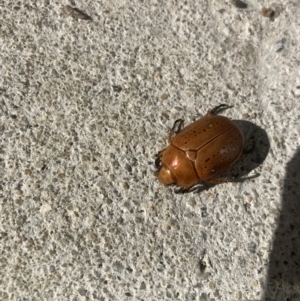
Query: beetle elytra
[[201, 151]]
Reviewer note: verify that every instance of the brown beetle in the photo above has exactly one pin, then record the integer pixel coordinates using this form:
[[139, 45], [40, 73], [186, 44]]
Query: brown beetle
[[201, 151]]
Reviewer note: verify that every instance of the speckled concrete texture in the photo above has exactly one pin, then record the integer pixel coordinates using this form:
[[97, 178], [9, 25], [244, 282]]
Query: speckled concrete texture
[[85, 104]]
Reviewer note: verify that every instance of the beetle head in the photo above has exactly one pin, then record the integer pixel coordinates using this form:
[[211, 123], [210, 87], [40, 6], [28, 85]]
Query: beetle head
[[165, 176]]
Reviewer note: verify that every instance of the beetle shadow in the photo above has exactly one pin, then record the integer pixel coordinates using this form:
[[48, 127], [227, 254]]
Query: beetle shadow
[[256, 149], [283, 280]]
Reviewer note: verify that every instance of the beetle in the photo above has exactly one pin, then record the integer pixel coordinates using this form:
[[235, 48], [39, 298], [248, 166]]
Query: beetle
[[201, 151]]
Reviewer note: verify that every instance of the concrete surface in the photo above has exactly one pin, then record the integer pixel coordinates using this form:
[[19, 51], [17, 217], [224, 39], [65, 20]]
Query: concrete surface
[[85, 106]]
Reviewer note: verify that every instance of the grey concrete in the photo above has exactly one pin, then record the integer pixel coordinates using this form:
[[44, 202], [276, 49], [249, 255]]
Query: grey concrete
[[84, 107]]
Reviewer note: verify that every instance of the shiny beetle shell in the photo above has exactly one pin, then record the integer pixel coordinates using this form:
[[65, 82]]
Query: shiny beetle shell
[[200, 151]]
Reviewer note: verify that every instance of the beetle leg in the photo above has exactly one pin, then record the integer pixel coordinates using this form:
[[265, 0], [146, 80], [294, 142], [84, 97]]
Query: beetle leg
[[157, 160], [196, 188], [201, 188], [219, 181], [177, 126], [181, 190], [160, 154], [158, 163], [218, 109], [237, 179], [233, 179]]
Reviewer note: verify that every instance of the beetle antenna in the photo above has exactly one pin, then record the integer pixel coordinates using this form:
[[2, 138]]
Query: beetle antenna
[[219, 109]]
